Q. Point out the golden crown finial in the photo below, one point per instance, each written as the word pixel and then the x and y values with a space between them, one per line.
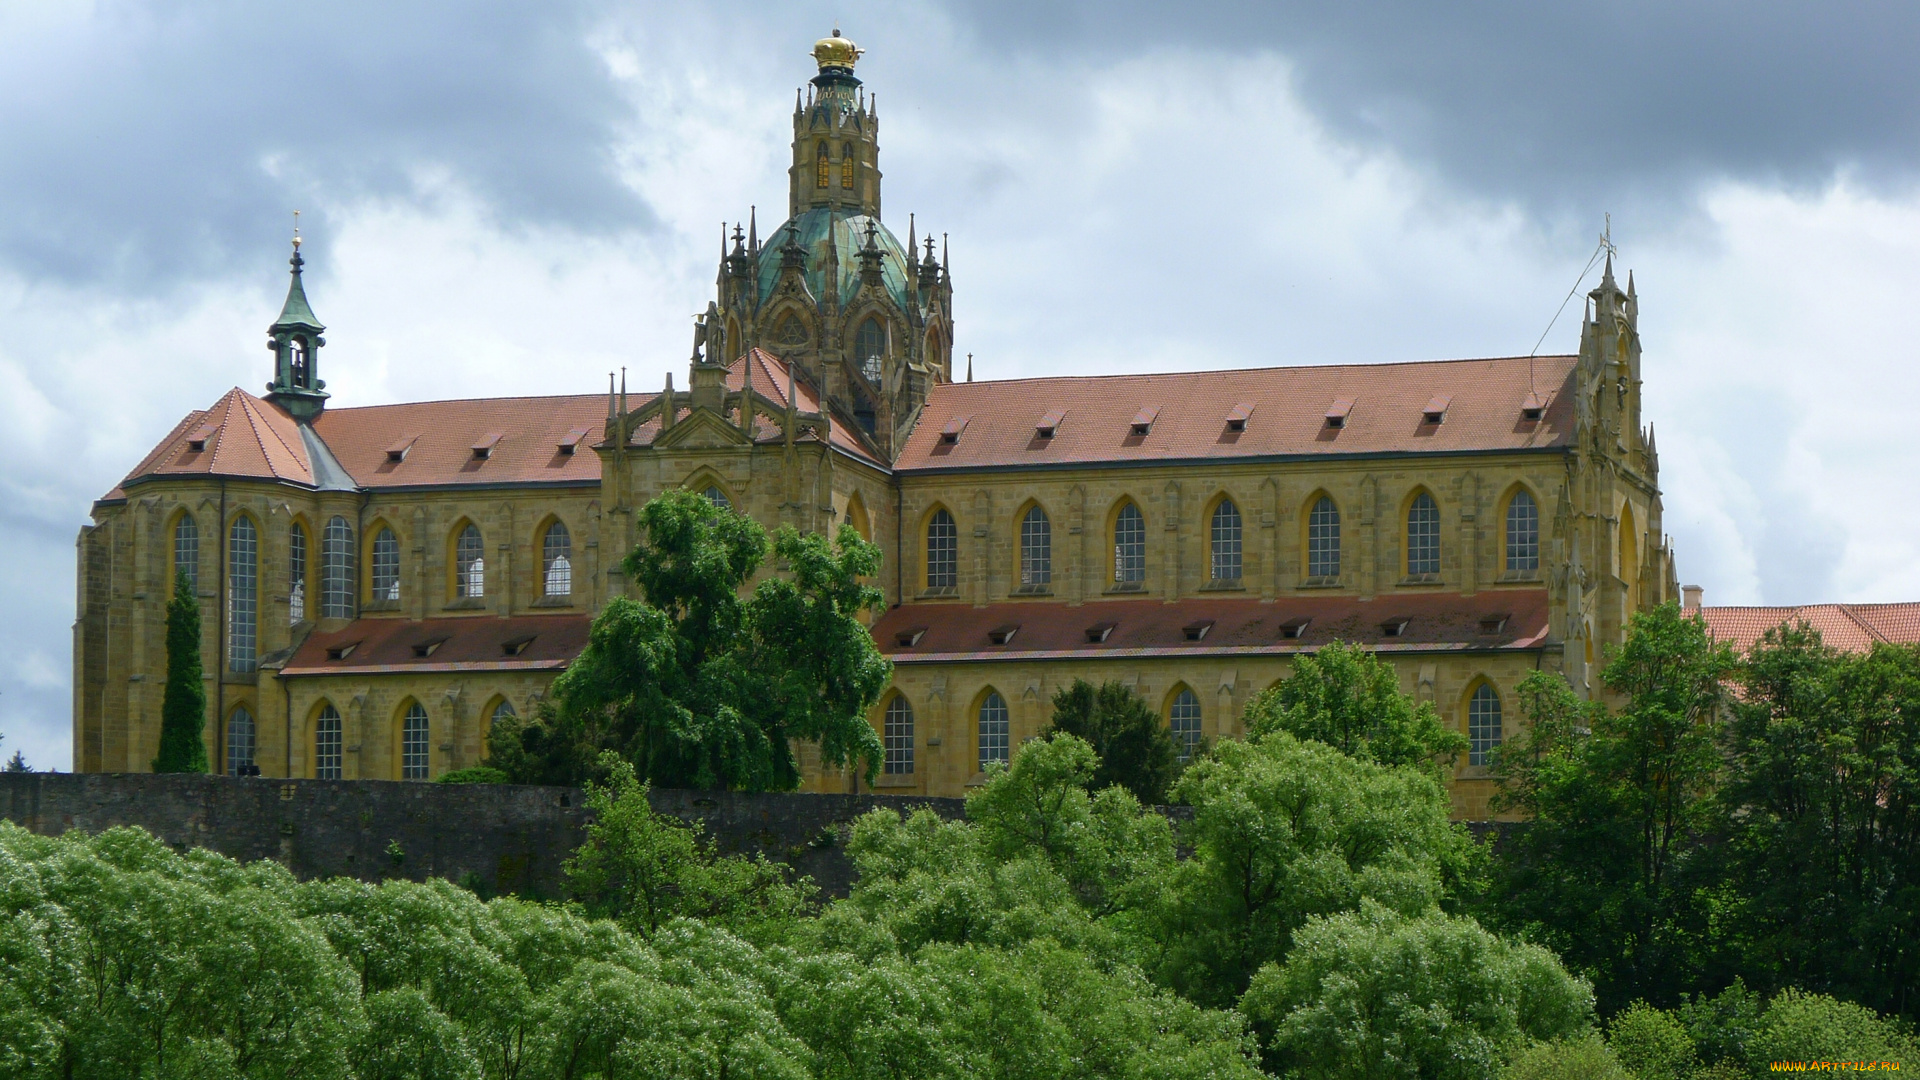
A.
pixel 836 52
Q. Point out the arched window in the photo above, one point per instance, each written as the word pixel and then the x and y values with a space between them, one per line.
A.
pixel 502 711
pixel 821 166
pixel 326 744
pixel 336 570
pixel 1184 718
pixel 717 497
pixel 1129 546
pixel 1423 537
pixel 1036 550
pixel 899 737
pixel 1323 540
pixel 869 346
pixel 846 166
pixel 1226 541
pixel 1483 724
pixel 556 561
pixel 1523 534
pixel 297 362
pixel 413 743
pixel 995 731
pixel 470 563
pixel 296 572
pixel 243 596
pixel 240 743
pixel 943 551
pixel 386 565
pixel 186 551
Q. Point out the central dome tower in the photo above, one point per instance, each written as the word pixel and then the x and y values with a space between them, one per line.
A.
pixel 864 318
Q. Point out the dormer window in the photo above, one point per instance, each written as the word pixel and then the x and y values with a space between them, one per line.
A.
pixel 1294 629
pixel 1000 635
pixel 1099 632
pixel 1436 410
pixel 1143 420
pixel 197 441
pixel 951 433
pixel 427 648
pixel 516 646
pixel 1533 408
pixel 571 441
pixel 1493 624
pixel 341 652
pixel 1049 423
pixel 483 449
pixel 1237 419
pixel 1395 627
pixel 1338 412
pixel 910 637
pixel 1194 631
pixel 398 451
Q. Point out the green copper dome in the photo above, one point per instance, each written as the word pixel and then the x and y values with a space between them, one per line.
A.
pixel 849 237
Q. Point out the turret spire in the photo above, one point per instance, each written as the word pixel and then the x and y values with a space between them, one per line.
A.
pixel 295 339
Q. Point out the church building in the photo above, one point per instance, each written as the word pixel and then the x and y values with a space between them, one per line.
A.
pixel 379 584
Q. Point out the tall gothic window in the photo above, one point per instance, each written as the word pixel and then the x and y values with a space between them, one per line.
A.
pixel 943 551
pixel 1036 550
pixel 1129 546
pixel 326 744
pixel 1323 540
pixel 1423 537
pixel 1483 724
pixel 846 166
pixel 899 737
pixel 995 731
pixel 243 596
pixel 502 711
pixel 717 497
pixel 470 563
pixel 240 742
pixel 413 743
pixel 821 166
pixel 1184 719
pixel 336 570
pixel 386 565
pixel 186 551
pixel 296 572
pixel 556 561
pixel 869 346
pixel 1226 541
pixel 1523 534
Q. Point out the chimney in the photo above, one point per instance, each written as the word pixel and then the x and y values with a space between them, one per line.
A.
pixel 1690 597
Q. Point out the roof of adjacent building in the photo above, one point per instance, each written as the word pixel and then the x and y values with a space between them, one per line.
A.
pixel 1384 409
pixel 1849 627
pixel 440 436
pixel 386 646
pixel 1504 619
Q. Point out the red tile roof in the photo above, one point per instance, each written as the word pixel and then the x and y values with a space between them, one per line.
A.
pixel 473 643
pixel 244 436
pixel 1289 408
pixel 770 379
pixel 1850 627
pixel 1433 623
pixel 443 435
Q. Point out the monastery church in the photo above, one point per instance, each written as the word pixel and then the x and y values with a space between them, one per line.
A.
pixel 379 584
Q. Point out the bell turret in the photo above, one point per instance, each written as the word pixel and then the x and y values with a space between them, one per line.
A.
pixel 295 340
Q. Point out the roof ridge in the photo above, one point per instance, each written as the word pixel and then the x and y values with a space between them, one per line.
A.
pixel 1357 365
pixel 1847 610
pixel 456 401
pixel 259 416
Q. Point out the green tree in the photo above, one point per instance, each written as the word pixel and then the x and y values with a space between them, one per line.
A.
pixel 1651 1043
pixel 701 686
pixel 1350 699
pixel 1619 803
pixel 1134 746
pixel 644 869
pixel 17 763
pixel 1375 995
pixel 183 709
pixel 1584 1058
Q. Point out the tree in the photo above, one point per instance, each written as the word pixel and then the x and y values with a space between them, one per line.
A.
pixel 1134 747
pixel 700 686
pixel 1619 803
pixel 183 709
pixel 1375 995
pixel 1350 699
pixel 17 763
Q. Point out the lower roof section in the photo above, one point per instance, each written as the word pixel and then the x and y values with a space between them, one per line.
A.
pixel 1848 627
pixel 1502 620
pixel 425 646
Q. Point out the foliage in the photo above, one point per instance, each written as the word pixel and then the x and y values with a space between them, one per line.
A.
pixel 1737 1033
pixel 476 774
pixel 1584 1058
pixel 183 710
pixel 1374 994
pixel 1283 830
pixel 1653 1044
pixel 700 686
pixel 1618 802
pixel 17 763
pixel 1350 699
pixel 1134 746
pixel 644 870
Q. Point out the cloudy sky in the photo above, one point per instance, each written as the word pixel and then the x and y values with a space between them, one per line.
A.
pixel 514 198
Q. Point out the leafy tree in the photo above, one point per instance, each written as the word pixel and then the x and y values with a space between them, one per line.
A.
pixel 17 763
pixel 644 870
pixel 1372 994
pixel 1619 802
pixel 1284 830
pixel 1134 747
pixel 183 711
pixel 1350 699
pixel 476 774
pixel 701 686
pixel 1585 1058
pixel 1651 1043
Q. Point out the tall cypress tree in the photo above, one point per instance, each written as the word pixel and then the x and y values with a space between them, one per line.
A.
pixel 184 711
